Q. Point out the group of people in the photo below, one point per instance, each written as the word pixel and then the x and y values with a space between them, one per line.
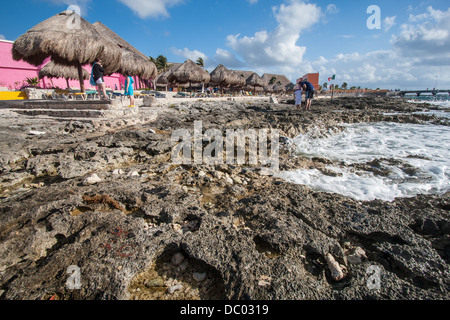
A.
pixel 307 88
pixel 98 72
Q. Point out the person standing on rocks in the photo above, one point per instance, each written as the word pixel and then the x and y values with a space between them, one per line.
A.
pixel 98 71
pixel 129 89
pixel 309 93
pixel 298 97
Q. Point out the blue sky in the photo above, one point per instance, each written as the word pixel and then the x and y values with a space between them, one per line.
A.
pixel 411 49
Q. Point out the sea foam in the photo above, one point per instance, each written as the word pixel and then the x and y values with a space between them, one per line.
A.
pixel 416 157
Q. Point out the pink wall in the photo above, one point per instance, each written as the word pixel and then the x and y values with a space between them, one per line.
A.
pixel 13 73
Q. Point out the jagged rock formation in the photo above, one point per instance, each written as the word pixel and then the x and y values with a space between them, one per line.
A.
pixel 146 228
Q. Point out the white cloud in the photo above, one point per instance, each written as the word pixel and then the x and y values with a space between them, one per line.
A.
pixel 279 46
pixel 380 69
pixel 189 54
pixel 374 69
pixel 227 59
pixel 418 54
pixel 252 1
pixel 221 57
pixel 347 36
pixel 150 8
pixel 389 22
pixel 426 35
pixel 2 37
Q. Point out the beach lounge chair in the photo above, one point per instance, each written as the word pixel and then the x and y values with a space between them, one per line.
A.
pixel 116 95
pixel 155 94
pixel 59 94
pixel 74 95
pixel 91 94
pixel 47 96
pixel 181 95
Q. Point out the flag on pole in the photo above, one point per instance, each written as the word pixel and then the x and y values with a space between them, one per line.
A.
pixel 332 78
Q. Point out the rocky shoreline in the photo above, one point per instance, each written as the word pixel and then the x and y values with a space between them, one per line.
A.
pixel 93 211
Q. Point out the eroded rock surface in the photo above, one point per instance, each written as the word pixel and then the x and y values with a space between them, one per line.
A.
pixel 151 229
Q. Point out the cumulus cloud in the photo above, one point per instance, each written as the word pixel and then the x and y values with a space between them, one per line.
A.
pixel 381 69
pixel 221 57
pixel 374 69
pixel 388 23
pixel 227 59
pixel 150 8
pixel 418 53
pixel 279 46
pixel 427 34
pixel 189 54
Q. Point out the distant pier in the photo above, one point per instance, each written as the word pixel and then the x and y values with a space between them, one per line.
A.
pixel 420 92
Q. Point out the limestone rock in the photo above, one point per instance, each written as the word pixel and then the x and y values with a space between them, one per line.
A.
pixel 93 179
pixel 199 276
pixel 261 241
pixel 273 100
pixel 177 259
pixel 336 270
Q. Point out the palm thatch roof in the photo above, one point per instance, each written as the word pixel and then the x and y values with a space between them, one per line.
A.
pixel 240 81
pixel 162 78
pixel 255 81
pixel 189 72
pixel 66 44
pixel 54 70
pixel 290 87
pixel 133 62
pixel 278 88
pixel 224 77
pixel 243 74
pixel 278 78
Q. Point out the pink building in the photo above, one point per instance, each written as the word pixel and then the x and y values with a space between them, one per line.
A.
pixel 13 74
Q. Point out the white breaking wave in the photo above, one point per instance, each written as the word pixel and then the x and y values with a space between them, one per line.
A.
pixel 444 103
pixel 416 156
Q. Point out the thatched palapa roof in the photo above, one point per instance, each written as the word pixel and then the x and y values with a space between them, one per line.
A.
pixel 69 40
pixel 278 88
pixel 162 78
pixel 67 43
pixel 133 62
pixel 243 74
pixel 224 77
pixel 281 78
pixel 239 81
pixel 189 72
pixel 290 87
pixel 255 81
pixel 54 70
